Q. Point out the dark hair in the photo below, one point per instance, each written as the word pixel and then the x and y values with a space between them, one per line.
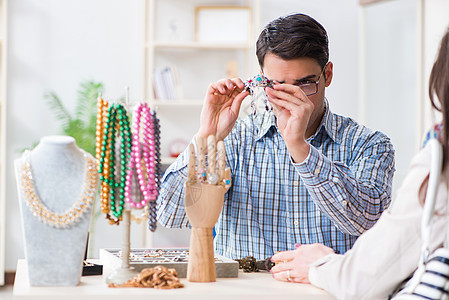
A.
pixel 294 36
pixel 439 86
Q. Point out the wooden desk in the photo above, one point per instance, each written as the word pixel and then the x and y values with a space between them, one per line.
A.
pixel 259 285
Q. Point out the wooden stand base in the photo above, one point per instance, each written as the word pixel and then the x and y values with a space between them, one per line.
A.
pixel 201 266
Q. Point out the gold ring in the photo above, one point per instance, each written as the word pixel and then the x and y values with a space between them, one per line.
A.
pixel 288 276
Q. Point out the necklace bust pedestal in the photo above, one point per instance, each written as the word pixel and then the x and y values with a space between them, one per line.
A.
pixel 57 183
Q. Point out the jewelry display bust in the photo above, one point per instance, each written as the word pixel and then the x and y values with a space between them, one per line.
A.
pixel 57 184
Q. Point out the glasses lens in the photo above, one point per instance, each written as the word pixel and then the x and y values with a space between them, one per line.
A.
pixel 308 88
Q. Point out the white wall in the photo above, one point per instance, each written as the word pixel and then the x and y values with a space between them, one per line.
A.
pixel 55 44
pixel 391 82
pixel 340 18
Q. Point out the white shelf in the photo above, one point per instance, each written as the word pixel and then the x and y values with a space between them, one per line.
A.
pixel 197 45
pixel 176 103
pixel 196 64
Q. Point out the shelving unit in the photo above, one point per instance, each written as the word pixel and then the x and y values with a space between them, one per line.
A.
pixel 169 41
pixel 3 9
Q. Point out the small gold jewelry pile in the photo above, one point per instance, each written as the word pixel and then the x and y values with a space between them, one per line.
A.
pixel 158 277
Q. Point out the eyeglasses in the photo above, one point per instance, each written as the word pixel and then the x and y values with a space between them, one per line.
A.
pixel 311 87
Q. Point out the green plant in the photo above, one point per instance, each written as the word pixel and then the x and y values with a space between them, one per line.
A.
pixel 81 124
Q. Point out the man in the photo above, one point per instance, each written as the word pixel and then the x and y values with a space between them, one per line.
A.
pixel 300 173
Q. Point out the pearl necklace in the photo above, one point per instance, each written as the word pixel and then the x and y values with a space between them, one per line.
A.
pixel 147 168
pixel 144 167
pixel 139 161
pixel 102 109
pixel 42 212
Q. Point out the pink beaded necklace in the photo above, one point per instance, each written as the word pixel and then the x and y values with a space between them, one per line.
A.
pixel 146 167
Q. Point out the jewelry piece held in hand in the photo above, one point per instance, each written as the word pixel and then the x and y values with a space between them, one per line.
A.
pixel 258 81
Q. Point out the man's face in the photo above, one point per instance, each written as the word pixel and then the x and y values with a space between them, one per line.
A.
pixel 297 71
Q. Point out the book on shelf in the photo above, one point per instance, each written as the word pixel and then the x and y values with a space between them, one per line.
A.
pixel 166 84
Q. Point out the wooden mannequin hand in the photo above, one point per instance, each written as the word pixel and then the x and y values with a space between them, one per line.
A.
pixel 205 187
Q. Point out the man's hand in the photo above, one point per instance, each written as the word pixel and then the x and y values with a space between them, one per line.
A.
pixel 293 110
pixel 221 107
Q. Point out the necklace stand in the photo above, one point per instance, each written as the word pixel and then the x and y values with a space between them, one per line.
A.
pixel 58 171
pixel 140 182
pixel 125 272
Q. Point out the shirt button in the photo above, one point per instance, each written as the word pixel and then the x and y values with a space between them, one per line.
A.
pixel 344 202
pixel 295 183
pixel 162 190
pixel 317 171
pixel 296 223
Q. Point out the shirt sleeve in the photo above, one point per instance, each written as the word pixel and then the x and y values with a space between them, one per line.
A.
pixel 170 204
pixel 352 196
pixel 389 252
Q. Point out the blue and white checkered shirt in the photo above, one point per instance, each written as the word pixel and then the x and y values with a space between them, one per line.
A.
pixel 335 195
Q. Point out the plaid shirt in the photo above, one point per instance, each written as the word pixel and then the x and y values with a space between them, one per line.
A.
pixel 336 194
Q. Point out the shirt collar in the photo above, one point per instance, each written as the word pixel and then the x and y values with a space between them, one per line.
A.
pixel 267 120
pixel 328 124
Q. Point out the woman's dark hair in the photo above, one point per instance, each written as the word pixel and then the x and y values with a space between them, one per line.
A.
pixel 439 87
pixel 294 36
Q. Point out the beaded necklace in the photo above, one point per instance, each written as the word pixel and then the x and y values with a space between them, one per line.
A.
pixel 117 122
pixel 138 159
pixel 42 212
pixel 152 209
pixel 102 110
pixel 144 167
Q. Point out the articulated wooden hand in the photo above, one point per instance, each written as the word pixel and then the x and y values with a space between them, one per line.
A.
pixel 206 186
pixel 204 196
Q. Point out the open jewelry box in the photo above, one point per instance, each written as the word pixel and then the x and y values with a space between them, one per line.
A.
pixel 175 258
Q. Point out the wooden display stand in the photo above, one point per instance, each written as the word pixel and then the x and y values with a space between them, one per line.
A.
pixel 204 199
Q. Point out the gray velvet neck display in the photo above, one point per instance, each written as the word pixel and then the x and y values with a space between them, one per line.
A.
pixel 55 255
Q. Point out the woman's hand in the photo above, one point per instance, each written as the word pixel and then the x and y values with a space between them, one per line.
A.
pixel 294 265
pixel 221 107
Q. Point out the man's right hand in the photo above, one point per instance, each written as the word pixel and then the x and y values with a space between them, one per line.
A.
pixel 221 107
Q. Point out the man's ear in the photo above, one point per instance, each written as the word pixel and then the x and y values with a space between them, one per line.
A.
pixel 329 73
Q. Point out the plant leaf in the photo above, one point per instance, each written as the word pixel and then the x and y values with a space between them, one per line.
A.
pixel 61 113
